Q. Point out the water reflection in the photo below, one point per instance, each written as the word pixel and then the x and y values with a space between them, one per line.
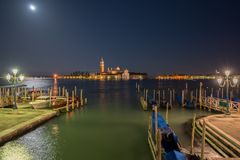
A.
pixel 37 83
pixel 55 130
pixel 15 151
pixel 38 144
pixel 55 87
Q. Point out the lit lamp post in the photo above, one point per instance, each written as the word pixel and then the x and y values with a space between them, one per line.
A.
pixel 14 79
pixel 227 81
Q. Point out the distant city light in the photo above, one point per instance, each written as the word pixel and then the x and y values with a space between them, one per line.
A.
pixel 55 76
pixel 32 7
pixel 227 72
pixel 15 71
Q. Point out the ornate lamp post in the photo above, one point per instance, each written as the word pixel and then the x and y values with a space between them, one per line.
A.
pixel 14 78
pixel 227 81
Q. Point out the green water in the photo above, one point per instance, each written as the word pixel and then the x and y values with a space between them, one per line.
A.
pixel 112 126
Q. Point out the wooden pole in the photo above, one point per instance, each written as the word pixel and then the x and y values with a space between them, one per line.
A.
pixel 203 140
pixel 193 134
pixel 170 96
pixel 156 122
pixel 163 95
pixel 200 95
pixel 212 91
pixel 196 97
pixel 63 91
pixel 25 92
pixel 159 97
pixel 218 93
pixel 191 96
pixel 231 94
pixel 173 95
pixel 159 145
pixel 67 101
pixel 222 92
pixel 81 97
pixel 146 95
pixel 75 90
pixel 167 113
pixel 205 97
pixel 238 89
pixel 50 98
pixel 183 98
pixel 73 100
pixel 186 88
pixel 32 95
pixel 150 125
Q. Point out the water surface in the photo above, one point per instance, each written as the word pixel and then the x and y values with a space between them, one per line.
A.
pixel 112 126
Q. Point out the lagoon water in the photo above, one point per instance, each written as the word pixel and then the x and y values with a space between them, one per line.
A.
pixel 111 126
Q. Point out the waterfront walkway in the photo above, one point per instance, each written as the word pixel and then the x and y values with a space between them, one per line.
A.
pixel 223 134
pixel 230 125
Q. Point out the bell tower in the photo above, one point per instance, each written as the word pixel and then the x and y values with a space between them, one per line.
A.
pixel 101 66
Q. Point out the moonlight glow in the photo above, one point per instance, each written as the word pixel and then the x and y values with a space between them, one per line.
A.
pixel 32 7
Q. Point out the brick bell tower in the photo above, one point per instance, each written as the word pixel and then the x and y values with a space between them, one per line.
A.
pixel 101 66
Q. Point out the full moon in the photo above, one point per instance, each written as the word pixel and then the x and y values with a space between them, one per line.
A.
pixel 32 7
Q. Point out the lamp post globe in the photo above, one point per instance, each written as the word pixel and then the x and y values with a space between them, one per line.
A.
pixel 14 79
pixel 228 81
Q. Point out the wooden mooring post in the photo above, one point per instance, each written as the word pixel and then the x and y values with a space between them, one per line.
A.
pixel 63 91
pixel 156 122
pixel 154 95
pixel 170 98
pixel 67 105
pixel 200 95
pixel 73 100
pixel 203 140
pixel 159 144
pixel 81 97
pixel 167 113
pixel 183 98
pixel 159 97
pixel 59 91
pixel 193 134
pixel 146 95
pixel 50 98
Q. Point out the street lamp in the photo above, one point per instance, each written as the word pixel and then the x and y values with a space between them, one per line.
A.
pixel 227 81
pixel 14 79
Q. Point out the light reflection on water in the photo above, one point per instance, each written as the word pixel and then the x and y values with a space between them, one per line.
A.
pixel 37 144
pixel 15 151
pixel 38 83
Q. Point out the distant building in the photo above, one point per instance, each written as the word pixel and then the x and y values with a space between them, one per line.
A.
pixel 137 76
pixel 117 73
pixel 125 75
pixel 101 66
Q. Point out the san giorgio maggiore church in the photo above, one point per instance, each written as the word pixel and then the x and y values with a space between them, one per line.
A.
pixel 117 73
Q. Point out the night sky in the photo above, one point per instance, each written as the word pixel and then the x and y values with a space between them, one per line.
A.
pixel 62 36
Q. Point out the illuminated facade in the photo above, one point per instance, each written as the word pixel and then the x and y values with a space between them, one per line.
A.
pixel 184 77
pixel 101 66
